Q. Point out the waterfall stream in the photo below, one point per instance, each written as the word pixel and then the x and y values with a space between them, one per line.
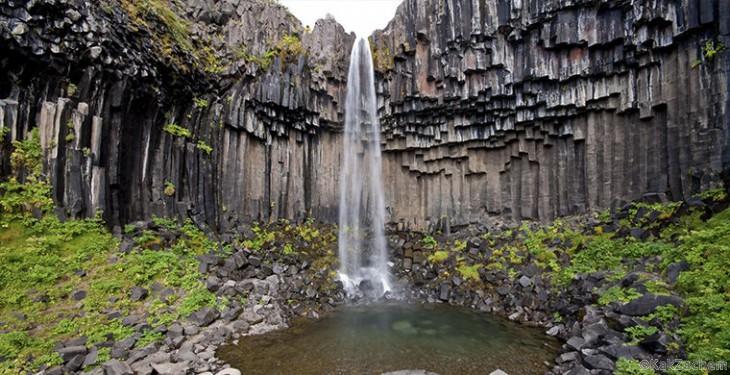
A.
pixel 362 247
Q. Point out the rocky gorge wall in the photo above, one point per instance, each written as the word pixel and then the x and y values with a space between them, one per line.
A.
pixel 513 109
pixel 538 109
pixel 251 135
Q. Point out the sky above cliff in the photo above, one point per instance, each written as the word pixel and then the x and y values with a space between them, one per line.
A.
pixel 360 16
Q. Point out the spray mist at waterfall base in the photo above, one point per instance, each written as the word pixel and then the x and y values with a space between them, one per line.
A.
pixel 362 248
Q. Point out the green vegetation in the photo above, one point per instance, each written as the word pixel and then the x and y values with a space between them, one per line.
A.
pixel 469 272
pixel 177 130
pixel 200 102
pixel 429 242
pixel 709 50
pixel 382 58
pixel 71 90
pixel 287 49
pixel 638 333
pixel 202 146
pixel 44 261
pixel 261 238
pixel 170 33
pixel 169 189
pixel 618 294
pixel 438 256
pixel 631 367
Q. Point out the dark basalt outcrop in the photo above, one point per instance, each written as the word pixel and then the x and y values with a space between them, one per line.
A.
pixel 531 109
pixel 537 109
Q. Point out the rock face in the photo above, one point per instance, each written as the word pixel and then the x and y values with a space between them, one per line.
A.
pixel 534 109
pixel 529 109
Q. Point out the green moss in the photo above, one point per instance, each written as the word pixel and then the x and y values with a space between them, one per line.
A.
pixel 438 257
pixel 177 130
pixel 169 189
pixel 469 272
pixel 206 148
pixel 262 237
pixel 715 195
pixel 200 102
pixel 429 242
pixel 171 34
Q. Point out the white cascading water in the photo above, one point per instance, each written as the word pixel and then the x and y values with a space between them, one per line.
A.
pixel 361 242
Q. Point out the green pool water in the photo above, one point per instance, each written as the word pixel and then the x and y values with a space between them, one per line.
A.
pixel 379 338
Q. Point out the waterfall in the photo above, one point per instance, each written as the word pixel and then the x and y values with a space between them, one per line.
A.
pixel 361 241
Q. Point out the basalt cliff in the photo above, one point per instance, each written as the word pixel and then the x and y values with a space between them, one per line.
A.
pixel 231 111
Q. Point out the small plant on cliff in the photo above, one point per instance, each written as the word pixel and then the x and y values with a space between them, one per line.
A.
pixel 202 146
pixel 709 50
pixel 169 189
pixel 71 90
pixel 177 130
pixel 429 242
pixel 200 102
pixel 289 48
pixel 382 58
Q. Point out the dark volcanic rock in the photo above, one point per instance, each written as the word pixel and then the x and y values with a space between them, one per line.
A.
pixel 647 304
pixel 492 108
pixel 138 293
pixel 204 316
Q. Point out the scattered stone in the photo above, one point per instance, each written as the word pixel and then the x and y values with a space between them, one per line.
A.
pixel 71 351
pixel 115 367
pixel 598 362
pixel 204 316
pixel 78 295
pixel 525 281
pixel 575 343
pixel 228 371
pixel 138 293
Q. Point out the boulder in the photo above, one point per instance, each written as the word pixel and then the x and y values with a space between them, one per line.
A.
pixel 647 304
pixel 204 316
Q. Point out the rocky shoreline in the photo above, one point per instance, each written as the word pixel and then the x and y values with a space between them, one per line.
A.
pixel 596 333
